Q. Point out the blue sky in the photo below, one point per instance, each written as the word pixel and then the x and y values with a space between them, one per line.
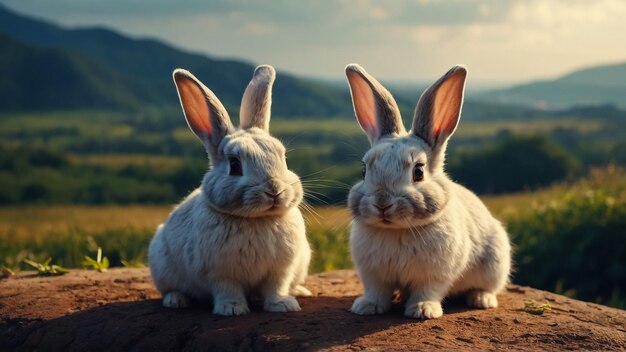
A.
pixel 501 41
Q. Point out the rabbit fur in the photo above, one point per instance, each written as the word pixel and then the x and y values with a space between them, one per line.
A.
pixel 241 232
pixel 414 229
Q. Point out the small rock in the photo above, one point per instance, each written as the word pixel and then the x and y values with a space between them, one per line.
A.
pixel 465 339
pixel 515 289
pixel 472 319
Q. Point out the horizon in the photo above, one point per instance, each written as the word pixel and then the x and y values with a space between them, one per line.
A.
pixel 259 23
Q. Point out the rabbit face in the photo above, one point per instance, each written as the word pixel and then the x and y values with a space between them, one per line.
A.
pixel 397 190
pixel 251 178
pixel 404 184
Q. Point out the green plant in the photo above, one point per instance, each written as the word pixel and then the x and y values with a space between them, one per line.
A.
pixel 6 273
pixel 532 308
pixel 100 263
pixel 45 269
pixel 132 263
pixel 574 244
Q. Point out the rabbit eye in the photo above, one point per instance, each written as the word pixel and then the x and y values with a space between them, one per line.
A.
pixel 235 167
pixel 363 170
pixel 418 173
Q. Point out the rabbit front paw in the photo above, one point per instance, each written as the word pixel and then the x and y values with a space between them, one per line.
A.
pixel 176 299
pixel 482 299
pixel 363 306
pixel 300 291
pixel 424 310
pixel 282 304
pixel 231 308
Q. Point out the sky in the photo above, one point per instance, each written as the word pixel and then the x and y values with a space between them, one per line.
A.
pixel 500 41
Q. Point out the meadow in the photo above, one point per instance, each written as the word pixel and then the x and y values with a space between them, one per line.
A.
pixel 77 181
pixel 559 232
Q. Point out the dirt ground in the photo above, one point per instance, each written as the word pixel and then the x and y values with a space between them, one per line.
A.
pixel 120 310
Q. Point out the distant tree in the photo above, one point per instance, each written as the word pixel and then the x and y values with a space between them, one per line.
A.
pixel 514 163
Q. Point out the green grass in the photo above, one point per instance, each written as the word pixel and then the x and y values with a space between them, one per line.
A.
pixel 69 233
pixel 120 161
pixel 109 157
pixel 62 130
pixel 470 129
pixel 559 232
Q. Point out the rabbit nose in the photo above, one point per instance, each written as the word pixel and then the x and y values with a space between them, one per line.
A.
pixel 274 195
pixel 382 208
pixel 273 188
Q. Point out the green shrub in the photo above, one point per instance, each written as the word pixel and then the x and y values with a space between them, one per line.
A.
pixel 330 249
pixel 576 245
pixel 513 164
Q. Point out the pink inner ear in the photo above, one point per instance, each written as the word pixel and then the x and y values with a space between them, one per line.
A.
pixel 195 106
pixel 363 99
pixel 447 106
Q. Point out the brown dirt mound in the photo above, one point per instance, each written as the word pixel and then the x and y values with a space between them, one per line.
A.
pixel 121 310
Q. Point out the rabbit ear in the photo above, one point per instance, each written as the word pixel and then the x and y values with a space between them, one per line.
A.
pixel 205 114
pixel 257 100
pixel 375 108
pixel 439 109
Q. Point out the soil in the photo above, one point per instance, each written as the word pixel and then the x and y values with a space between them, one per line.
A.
pixel 120 310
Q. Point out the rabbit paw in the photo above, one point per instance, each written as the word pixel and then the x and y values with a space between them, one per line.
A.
pixel 176 299
pixel 363 306
pixel 231 308
pixel 482 299
pixel 300 291
pixel 424 310
pixel 282 304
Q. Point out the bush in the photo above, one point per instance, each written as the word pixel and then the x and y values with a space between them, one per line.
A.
pixel 513 164
pixel 575 245
pixel 330 249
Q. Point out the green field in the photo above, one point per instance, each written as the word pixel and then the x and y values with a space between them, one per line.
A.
pixel 76 181
pixel 559 232
pixel 151 157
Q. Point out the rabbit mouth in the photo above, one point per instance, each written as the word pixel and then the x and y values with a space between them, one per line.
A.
pixel 274 207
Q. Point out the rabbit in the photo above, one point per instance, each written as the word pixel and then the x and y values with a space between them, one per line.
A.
pixel 414 229
pixel 241 232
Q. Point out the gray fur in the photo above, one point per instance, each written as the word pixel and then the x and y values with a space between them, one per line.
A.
pixel 424 116
pixel 218 116
pixel 257 99
pixel 434 238
pixel 235 234
pixel 388 119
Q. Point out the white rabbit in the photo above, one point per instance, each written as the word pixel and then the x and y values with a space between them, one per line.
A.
pixel 413 228
pixel 241 232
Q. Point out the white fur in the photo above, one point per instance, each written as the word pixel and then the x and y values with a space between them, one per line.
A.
pixel 436 238
pixel 236 234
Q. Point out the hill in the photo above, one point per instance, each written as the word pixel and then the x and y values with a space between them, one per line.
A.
pixel 120 310
pixel 141 69
pixel 34 78
pixel 601 85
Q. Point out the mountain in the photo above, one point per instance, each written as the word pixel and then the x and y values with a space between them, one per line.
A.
pixel 35 78
pixel 128 73
pixel 601 85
